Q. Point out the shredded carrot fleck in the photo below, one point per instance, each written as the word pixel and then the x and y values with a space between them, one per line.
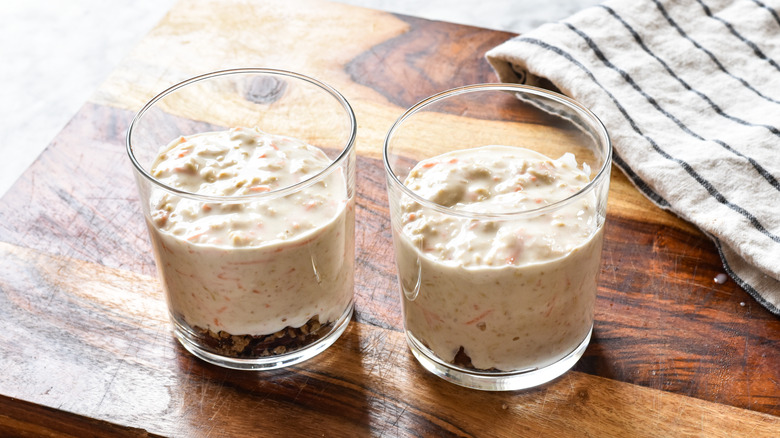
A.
pixel 206 207
pixel 550 307
pixel 453 161
pixel 195 236
pixel 429 165
pixel 259 189
pixel 431 318
pixel 480 317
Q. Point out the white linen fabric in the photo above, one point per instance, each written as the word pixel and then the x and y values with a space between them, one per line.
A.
pixel 689 91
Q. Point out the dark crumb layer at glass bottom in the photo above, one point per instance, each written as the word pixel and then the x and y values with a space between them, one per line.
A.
pixel 287 340
pixel 463 360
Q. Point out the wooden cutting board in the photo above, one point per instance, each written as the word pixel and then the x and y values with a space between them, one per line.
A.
pixel 85 345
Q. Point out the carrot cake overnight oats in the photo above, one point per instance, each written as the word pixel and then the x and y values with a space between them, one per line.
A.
pixel 252 277
pixel 498 294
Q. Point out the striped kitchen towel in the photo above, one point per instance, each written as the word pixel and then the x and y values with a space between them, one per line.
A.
pixel 689 91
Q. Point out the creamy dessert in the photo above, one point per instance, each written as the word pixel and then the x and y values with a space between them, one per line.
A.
pixel 499 293
pixel 252 276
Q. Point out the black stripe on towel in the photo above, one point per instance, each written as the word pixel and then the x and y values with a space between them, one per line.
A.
pixel 638 182
pixel 739 36
pixel 740 282
pixel 687 167
pixel 758 167
pixel 771 11
pixel 714 59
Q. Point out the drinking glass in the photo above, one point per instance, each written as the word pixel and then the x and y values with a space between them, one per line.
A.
pixel 497 296
pixel 249 302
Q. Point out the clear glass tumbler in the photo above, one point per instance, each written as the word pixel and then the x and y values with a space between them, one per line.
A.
pixel 498 199
pixel 247 183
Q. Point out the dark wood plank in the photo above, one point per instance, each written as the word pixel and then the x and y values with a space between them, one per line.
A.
pixel 663 322
pixel 22 419
pixel 431 57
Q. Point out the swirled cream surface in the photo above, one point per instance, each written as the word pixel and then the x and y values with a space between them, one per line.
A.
pixel 513 292
pixel 259 264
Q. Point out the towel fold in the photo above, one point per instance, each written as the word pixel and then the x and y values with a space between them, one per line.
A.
pixel 689 91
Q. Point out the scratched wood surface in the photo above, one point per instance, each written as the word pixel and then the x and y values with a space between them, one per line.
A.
pixel 85 346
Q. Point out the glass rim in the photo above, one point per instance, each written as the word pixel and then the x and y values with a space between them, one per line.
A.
pixel 323 173
pixel 525 89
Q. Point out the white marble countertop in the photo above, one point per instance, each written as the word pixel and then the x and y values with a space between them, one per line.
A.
pixel 56 53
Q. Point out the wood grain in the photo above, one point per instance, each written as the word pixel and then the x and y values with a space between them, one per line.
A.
pixel 83 328
pixel 132 372
pixel 22 419
pixel 437 65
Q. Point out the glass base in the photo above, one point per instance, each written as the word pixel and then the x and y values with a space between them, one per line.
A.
pixel 495 381
pixel 267 362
